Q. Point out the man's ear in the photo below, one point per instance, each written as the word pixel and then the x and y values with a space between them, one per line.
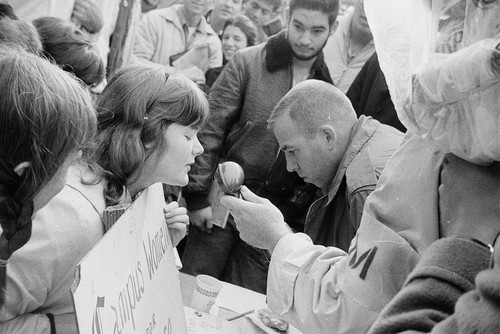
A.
pixel 329 135
pixel 334 27
pixel 21 168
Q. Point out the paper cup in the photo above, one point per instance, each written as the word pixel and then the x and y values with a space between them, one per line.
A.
pixel 205 292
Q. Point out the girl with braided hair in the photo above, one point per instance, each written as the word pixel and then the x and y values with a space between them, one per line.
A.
pixel 147 133
pixel 46 118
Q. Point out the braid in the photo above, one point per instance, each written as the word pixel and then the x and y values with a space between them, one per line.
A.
pixel 16 210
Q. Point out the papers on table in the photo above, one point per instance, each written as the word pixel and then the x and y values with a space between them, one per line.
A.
pixel 238 299
pixel 204 323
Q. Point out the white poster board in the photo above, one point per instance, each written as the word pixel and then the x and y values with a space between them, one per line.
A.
pixel 128 283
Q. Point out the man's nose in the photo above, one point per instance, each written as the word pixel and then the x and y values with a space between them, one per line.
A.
pixel 291 166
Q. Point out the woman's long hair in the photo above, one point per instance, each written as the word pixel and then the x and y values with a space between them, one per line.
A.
pixel 134 110
pixel 45 115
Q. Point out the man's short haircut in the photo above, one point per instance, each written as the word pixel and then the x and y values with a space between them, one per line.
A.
pixel 329 7
pixel 313 103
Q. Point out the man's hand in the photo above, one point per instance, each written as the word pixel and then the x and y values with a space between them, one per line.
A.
pixel 177 220
pixel 202 219
pixel 469 200
pixel 194 73
pixel 88 15
pixel 260 223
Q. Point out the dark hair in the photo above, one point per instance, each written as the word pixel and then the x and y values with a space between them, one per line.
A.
pixel 70 49
pixel 246 25
pixel 329 7
pixel 6 10
pixel 134 110
pixel 45 116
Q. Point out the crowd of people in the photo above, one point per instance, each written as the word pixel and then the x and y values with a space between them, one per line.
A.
pixel 347 222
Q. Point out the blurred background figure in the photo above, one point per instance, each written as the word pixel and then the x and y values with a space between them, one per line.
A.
pixel 179 39
pixel 238 33
pixel 84 13
pixel 261 12
pixel 16 32
pixel 349 48
pixel 345 7
pixel 370 95
pixel 66 45
pixel 222 11
pixel 109 24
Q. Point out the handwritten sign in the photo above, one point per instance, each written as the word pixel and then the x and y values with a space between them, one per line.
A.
pixel 128 283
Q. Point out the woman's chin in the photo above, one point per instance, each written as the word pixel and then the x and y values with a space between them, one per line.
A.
pixel 229 55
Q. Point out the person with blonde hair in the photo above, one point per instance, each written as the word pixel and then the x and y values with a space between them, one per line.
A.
pixel 147 126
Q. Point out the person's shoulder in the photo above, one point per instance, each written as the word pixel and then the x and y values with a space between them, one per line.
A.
pixel 168 13
pixel 206 28
pixel 251 53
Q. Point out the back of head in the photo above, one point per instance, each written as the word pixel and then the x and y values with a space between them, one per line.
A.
pixel 329 7
pixel 313 103
pixel 70 49
pixel 45 116
pixel 134 110
pixel 14 32
pixel 247 27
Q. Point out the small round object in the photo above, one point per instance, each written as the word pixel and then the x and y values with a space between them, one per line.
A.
pixel 229 177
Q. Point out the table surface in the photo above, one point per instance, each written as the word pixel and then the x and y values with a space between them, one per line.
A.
pixel 245 324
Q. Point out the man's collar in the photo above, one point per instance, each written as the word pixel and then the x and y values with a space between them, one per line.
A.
pixel 278 52
pixel 174 15
pixel 361 132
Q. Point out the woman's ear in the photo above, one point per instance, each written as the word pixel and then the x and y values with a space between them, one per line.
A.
pixel 329 135
pixel 21 168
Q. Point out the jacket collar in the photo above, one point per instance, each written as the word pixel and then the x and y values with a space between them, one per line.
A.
pixel 279 56
pixel 171 14
pixel 362 131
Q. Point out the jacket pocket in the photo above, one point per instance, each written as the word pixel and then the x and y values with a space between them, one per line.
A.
pixel 234 137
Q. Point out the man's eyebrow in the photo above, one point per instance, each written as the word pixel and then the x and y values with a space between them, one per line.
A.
pixel 313 27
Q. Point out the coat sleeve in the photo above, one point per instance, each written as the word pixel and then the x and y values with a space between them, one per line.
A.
pixel 225 99
pixel 325 290
pixel 29 278
pixel 214 52
pixel 445 272
pixel 146 38
pixel 40 274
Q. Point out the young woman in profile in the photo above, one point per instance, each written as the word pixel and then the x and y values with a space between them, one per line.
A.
pixel 46 118
pixel 147 133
